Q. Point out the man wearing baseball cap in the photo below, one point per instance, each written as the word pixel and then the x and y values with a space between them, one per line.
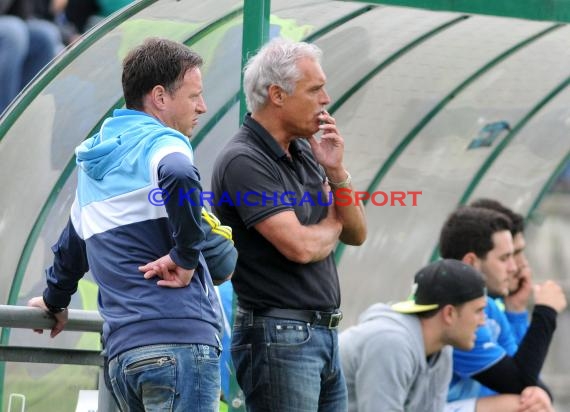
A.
pixel 396 358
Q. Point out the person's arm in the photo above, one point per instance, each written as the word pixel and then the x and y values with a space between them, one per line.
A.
pixel 179 180
pixel 69 266
pixel 513 374
pixel 532 399
pixel 351 213
pixel 301 243
pixel 329 151
pixel 277 221
pixel 178 177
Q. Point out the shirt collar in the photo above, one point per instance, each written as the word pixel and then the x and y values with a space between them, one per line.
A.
pixel 263 136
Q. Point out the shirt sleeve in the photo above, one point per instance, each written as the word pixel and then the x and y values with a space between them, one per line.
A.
pixel 179 179
pixel 69 266
pixel 254 188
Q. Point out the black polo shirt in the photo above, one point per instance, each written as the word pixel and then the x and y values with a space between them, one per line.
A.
pixel 254 179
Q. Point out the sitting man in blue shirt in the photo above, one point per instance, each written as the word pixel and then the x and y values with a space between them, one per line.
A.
pixel 497 364
pixel 516 302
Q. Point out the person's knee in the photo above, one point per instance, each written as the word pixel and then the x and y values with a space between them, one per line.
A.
pixel 45 36
pixel 14 37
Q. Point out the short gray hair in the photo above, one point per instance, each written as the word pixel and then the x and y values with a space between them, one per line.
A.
pixel 275 63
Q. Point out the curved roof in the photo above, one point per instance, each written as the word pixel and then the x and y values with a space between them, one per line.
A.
pixel 455 106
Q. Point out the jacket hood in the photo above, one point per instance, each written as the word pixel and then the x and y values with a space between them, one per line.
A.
pixel 122 138
pixel 381 310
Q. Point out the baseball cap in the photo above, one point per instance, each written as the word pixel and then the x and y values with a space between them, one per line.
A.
pixel 445 282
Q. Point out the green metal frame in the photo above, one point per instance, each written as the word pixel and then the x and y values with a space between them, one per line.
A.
pixel 546 10
pixel 256 15
pixel 508 139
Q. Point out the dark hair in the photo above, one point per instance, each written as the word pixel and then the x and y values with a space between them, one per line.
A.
pixel 155 62
pixel 428 314
pixel 516 219
pixel 471 229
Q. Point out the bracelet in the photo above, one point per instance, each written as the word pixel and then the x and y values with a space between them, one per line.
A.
pixel 344 184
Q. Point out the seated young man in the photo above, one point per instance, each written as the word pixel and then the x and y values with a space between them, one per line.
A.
pixel 396 358
pixel 516 303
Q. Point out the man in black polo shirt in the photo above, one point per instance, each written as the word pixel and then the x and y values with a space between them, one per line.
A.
pixel 270 185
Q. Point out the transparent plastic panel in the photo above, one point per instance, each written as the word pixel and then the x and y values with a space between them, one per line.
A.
pixel 81 91
pixel 299 18
pixel 357 47
pixel 401 238
pixel 379 115
pixel 517 175
pixel 206 152
pixel 95 92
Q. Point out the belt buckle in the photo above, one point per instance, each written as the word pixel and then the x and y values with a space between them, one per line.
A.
pixel 335 320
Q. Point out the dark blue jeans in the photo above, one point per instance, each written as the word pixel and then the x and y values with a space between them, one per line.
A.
pixel 161 378
pixel 287 365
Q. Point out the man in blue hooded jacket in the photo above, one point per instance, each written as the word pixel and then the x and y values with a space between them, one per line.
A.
pixel 138 201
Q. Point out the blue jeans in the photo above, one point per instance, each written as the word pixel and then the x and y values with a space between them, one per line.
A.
pixel 26 46
pixel 167 378
pixel 287 365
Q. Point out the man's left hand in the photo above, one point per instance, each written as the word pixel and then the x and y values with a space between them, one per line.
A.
pixel 60 318
pixel 171 275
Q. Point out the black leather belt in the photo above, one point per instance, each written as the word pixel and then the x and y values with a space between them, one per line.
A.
pixel 329 319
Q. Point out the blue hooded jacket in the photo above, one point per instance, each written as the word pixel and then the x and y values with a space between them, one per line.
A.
pixel 137 200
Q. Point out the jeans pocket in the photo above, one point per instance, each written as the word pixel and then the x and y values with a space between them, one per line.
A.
pixel 243 364
pixel 152 362
pixel 289 333
pixel 155 379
